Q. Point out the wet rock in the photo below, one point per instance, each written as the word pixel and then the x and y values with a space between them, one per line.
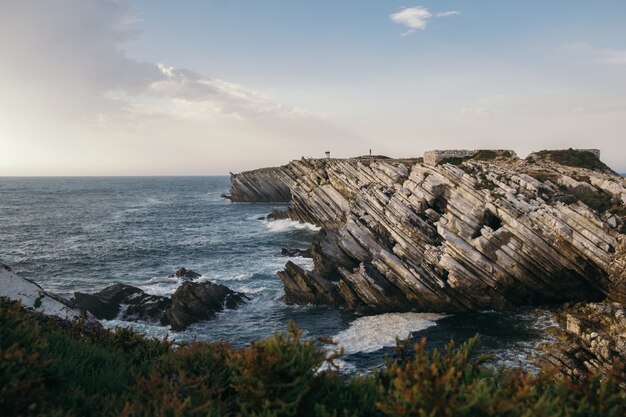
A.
pixel 185 274
pixel 277 215
pixel 304 287
pixel 194 302
pixel 124 302
pixel 295 252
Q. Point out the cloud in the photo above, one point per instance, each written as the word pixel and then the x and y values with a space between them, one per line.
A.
pixel 75 64
pixel 447 14
pixel 412 17
pixel 225 97
pixel 416 18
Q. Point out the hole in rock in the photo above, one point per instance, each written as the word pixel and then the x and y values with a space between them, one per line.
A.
pixel 489 219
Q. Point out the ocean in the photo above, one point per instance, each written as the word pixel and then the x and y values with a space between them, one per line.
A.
pixel 85 233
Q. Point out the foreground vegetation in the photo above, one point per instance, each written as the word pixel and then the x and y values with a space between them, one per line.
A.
pixel 49 368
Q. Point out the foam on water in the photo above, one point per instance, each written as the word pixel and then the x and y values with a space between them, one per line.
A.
pixel 283 225
pixel 372 333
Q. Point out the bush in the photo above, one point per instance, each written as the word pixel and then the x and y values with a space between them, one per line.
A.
pixel 48 368
pixel 575 158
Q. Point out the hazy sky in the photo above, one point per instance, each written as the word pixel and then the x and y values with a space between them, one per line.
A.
pixel 103 87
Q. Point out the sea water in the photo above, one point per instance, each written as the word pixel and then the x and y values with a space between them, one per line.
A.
pixel 82 234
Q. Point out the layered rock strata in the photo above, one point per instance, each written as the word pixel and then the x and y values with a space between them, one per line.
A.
pixel 193 302
pixel 32 297
pixel 491 232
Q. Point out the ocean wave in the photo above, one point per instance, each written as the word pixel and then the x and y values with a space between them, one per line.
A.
pixel 285 225
pixel 371 333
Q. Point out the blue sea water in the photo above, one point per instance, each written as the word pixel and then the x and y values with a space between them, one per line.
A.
pixel 85 233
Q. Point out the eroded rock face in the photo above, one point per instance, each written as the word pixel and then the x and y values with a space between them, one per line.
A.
pixel 124 302
pixel 484 234
pixel 193 302
pixel 591 338
pixel 261 185
pixel 304 287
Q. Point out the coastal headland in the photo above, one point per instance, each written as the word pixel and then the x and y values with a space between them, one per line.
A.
pixel 460 230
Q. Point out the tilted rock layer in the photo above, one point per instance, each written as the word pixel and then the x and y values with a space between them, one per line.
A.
pixel 491 232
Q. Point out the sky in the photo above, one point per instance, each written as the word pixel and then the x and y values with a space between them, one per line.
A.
pixel 146 87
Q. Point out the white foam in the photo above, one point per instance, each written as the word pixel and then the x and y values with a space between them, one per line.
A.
pixel 284 225
pixel 372 333
pixel 246 289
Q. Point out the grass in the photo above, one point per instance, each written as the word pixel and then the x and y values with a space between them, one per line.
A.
pixel 575 158
pixel 48 368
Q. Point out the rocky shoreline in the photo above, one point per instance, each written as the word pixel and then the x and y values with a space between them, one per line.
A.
pixel 192 302
pixel 455 231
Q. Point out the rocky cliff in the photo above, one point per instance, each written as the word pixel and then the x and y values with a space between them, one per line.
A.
pixel 483 231
pixel 463 230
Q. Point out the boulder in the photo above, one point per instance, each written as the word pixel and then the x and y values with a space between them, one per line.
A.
pixel 193 302
pixel 124 302
pixel 185 274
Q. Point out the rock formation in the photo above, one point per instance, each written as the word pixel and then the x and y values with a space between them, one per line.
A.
pixel 32 297
pixel 486 230
pixel 193 302
pixel 591 337
pixel 185 274
pixel 293 252
pixel 124 302
pixel 261 185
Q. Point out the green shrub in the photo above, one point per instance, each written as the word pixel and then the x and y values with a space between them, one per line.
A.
pixel 273 375
pixel 600 200
pixel 48 368
pixel 486 155
pixel 575 158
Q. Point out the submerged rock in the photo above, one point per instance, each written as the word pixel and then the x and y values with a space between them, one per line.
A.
pixel 194 302
pixel 295 252
pixel 185 274
pixel 124 302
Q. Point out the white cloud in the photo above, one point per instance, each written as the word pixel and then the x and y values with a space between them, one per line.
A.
pixel 77 62
pixel 448 13
pixel 412 17
pixel 224 96
pixel 416 17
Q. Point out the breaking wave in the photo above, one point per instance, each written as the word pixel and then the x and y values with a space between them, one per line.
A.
pixel 371 333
